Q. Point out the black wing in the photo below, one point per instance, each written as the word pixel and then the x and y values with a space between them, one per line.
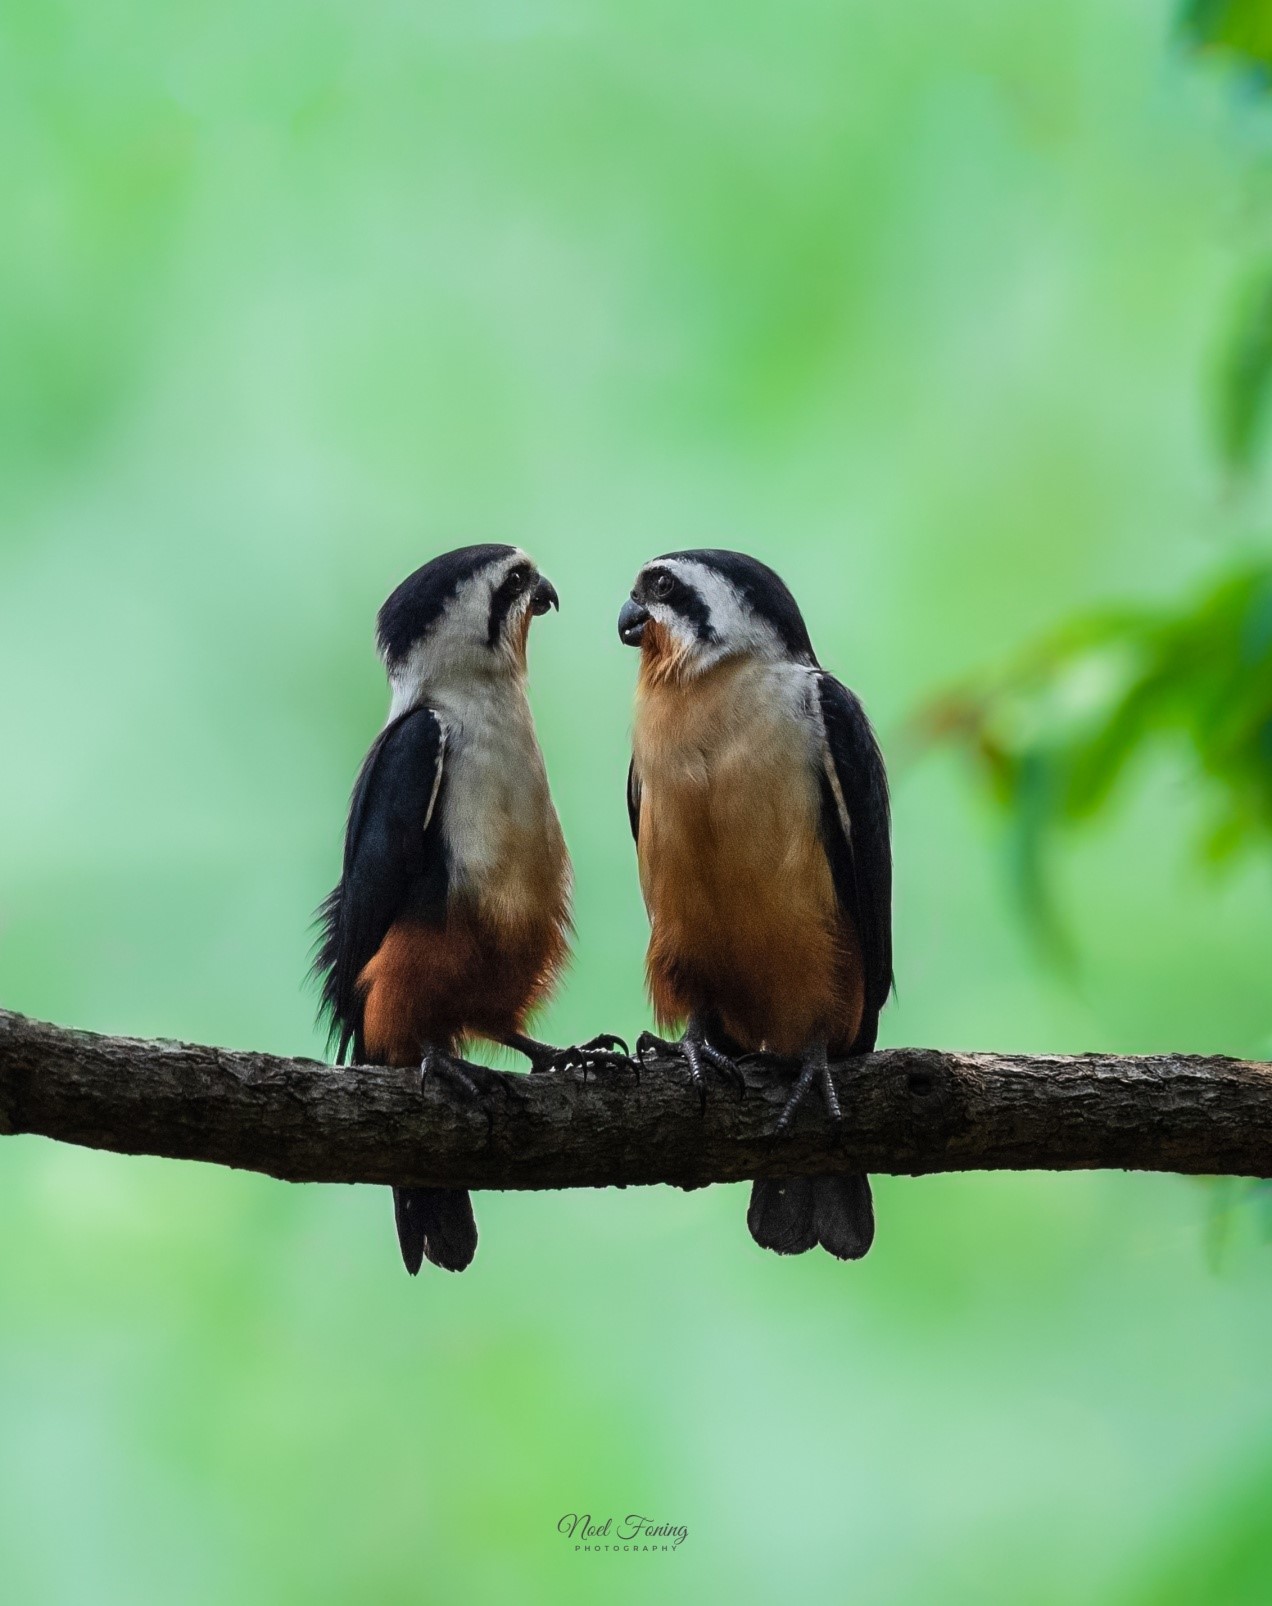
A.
pixel 633 800
pixel 394 864
pixel 857 829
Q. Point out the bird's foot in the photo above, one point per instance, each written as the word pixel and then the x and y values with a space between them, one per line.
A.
pixel 438 1067
pixel 603 1053
pixel 462 1077
pixel 815 1068
pixel 649 1044
pixel 697 1053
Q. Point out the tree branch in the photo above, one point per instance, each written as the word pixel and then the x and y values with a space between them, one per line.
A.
pixel 906 1111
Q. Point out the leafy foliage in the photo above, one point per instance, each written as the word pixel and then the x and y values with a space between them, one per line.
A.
pixel 1239 33
pixel 1055 733
pixel 1245 377
pixel 1238 28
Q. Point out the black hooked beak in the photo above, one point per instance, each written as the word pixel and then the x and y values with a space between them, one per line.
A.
pixel 544 597
pixel 632 622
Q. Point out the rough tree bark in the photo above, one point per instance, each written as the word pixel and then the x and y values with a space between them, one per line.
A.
pixel 906 1111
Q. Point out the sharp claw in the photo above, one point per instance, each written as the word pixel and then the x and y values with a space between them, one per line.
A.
pixel 725 1066
pixel 694 1056
pixel 697 1053
pixel 590 1058
pixel 648 1044
pixel 814 1067
pixel 616 1062
pixel 721 1062
pixel 607 1045
pixel 440 1067
pixel 831 1097
pixel 428 1067
pixel 443 1068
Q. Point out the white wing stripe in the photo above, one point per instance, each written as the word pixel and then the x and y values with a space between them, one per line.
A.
pixel 832 775
pixel 828 760
pixel 437 779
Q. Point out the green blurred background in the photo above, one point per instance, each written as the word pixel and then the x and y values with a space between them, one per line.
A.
pixel 917 304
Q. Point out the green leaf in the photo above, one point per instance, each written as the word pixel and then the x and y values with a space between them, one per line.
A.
pixel 1239 28
pixel 1245 377
pixel 1053 735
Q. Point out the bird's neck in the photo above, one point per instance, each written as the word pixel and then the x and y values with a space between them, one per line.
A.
pixel 482 683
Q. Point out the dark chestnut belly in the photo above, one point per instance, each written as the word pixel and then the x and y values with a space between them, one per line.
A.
pixel 435 986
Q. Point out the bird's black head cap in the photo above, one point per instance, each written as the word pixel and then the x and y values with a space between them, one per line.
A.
pixel 763 592
pixel 419 602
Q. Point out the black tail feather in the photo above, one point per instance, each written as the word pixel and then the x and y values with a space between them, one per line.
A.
pixel 794 1214
pixel 437 1224
pixel 843 1216
pixel 781 1215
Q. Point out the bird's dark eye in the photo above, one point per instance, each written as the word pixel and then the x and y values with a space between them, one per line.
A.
pixel 664 585
pixel 519 577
